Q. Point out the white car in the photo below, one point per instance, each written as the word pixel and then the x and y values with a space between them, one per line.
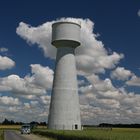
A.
pixel 25 129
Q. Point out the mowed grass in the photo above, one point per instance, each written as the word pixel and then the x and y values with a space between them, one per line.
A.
pixel 93 134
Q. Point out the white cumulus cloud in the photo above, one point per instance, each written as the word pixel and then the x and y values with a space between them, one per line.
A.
pixel 5 100
pixel 18 85
pixel 134 81
pixel 37 84
pixel 6 63
pixel 100 102
pixel 42 76
pixel 120 73
pixel 91 56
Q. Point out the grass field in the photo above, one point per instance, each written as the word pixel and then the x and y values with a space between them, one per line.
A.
pixel 87 134
pixel 94 134
pixel 10 126
pixel 1 135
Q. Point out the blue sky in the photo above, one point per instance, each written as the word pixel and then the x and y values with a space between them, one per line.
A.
pixel 116 23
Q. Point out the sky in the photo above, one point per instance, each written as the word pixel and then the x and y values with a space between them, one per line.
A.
pixel 107 61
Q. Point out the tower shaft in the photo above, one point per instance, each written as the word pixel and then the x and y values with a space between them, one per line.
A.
pixel 64 108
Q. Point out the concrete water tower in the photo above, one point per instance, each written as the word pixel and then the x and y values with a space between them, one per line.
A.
pixel 64 108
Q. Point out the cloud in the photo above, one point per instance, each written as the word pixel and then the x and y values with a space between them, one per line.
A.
pixel 5 100
pixel 37 84
pixel 138 12
pixel 45 100
pixel 6 63
pixel 42 76
pixel 120 73
pixel 17 85
pixel 3 50
pixel 40 35
pixel 29 100
pixel 102 102
pixel 134 81
pixel 91 56
pixel 25 111
pixel 102 85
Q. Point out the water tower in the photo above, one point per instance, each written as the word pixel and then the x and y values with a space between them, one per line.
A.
pixel 64 107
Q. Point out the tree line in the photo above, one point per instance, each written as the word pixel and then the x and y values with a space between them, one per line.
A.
pixel 12 122
pixel 120 125
pixel 108 125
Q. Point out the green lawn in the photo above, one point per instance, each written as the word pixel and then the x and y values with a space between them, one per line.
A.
pixel 94 134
